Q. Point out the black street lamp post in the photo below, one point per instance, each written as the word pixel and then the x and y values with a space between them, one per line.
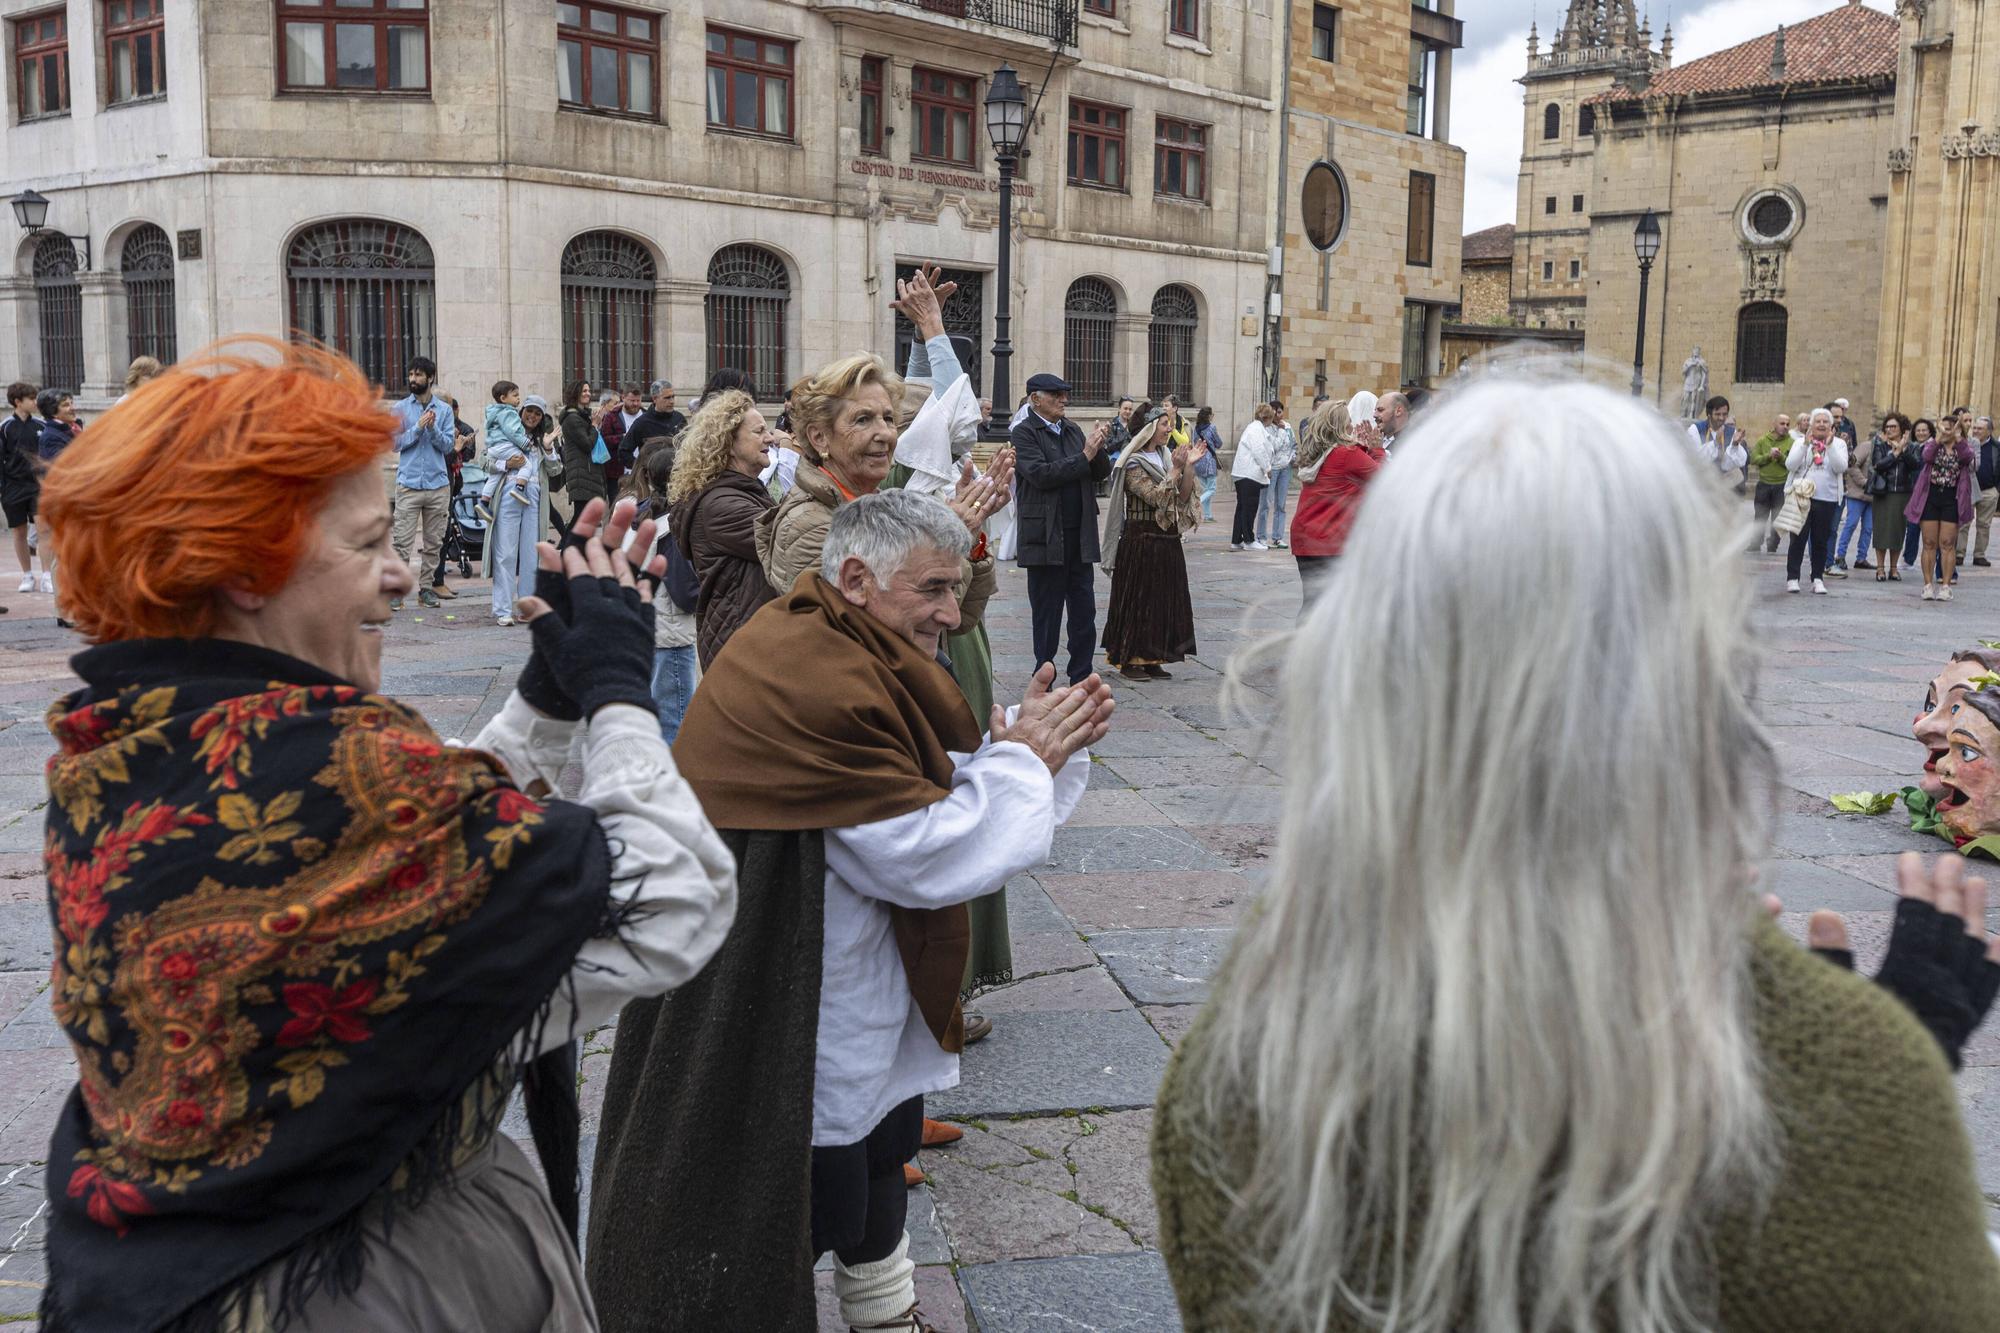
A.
pixel 1646 244
pixel 31 211
pixel 1006 125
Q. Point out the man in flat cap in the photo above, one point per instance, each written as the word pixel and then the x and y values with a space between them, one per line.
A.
pixel 1056 472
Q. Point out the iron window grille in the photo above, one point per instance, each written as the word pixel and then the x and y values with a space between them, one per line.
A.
pixel 135 49
pixel 363 46
pixel 146 266
pixel 944 109
pixel 1096 145
pixel 1108 8
pixel 59 313
pixel 1762 330
pixel 1090 313
pixel 1180 159
pixel 608 290
pixel 749 295
pixel 607 59
pixel 749 83
pixel 41 64
pixel 1170 340
pixel 367 289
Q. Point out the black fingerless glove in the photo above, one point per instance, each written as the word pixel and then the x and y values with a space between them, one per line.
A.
pixel 603 652
pixel 1940 972
pixel 537 683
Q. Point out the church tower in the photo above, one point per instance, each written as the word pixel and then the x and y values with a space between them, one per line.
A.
pixel 1602 43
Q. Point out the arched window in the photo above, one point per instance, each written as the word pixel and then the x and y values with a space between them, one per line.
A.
pixel 367 289
pixel 1088 314
pixel 59 309
pixel 1761 331
pixel 748 292
pixel 1170 345
pixel 1586 121
pixel 607 304
pixel 1552 121
pixel 147 266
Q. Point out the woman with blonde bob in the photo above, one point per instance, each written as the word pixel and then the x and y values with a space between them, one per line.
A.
pixel 305 948
pixel 1537 1059
pixel 717 502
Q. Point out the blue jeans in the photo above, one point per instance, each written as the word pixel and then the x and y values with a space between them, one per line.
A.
pixel 1860 514
pixel 1271 509
pixel 1207 499
pixel 673 686
pixel 512 534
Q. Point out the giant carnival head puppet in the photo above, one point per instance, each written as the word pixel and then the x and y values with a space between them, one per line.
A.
pixel 1969 770
pixel 1933 723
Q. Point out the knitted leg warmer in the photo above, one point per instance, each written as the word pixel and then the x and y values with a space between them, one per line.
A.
pixel 877 1293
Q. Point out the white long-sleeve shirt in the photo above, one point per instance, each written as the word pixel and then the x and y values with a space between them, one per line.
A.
pixel 1733 455
pixel 667 858
pixel 1828 478
pixel 875 1050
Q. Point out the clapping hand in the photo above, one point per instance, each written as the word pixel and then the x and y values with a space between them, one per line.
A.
pixel 921 297
pixel 1057 722
pixel 1940 961
pixel 597 549
pixel 1183 455
pixel 1095 444
pixel 978 498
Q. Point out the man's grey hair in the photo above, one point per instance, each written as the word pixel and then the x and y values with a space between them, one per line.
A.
pixel 1987 420
pixel 883 530
pixel 658 387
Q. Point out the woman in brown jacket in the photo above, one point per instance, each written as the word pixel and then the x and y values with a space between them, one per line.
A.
pixel 716 501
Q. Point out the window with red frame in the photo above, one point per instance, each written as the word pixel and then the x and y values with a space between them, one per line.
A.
pixel 871 105
pixel 1184 17
pixel 943 108
pixel 361 46
pixel 41 64
pixel 1096 145
pixel 135 49
pixel 607 59
pixel 1108 8
pixel 749 83
pixel 1180 158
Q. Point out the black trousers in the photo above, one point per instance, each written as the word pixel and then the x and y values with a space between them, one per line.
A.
pixel 1070 586
pixel 1243 529
pixel 859 1201
pixel 1818 532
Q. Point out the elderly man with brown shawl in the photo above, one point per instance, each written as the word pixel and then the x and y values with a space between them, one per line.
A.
pixel 865 808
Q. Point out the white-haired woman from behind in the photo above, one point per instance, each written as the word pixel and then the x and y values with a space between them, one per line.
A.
pixel 1539 1061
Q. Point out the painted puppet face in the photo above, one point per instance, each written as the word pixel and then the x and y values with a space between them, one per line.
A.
pixel 1970 773
pixel 1935 721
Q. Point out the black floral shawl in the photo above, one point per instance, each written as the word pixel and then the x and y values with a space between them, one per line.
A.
pixel 296 938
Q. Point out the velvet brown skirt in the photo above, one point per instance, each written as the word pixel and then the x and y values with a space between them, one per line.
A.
pixel 1151 619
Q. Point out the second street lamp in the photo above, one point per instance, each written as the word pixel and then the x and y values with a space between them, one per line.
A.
pixel 1006 125
pixel 1645 244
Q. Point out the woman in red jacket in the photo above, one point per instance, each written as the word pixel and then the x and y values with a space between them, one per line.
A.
pixel 1336 459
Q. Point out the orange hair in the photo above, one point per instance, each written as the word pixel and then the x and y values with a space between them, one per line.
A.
pixel 207 477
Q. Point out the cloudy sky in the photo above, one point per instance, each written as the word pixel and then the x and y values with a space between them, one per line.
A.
pixel 1486 102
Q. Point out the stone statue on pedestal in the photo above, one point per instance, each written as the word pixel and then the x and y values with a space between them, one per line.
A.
pixel 1694 387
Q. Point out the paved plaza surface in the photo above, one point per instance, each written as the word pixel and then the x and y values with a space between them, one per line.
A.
pixel 1041 1219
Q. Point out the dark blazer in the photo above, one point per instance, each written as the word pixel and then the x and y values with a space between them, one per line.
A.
pixel 1044 467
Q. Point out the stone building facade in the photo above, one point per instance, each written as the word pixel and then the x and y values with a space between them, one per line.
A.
pixel 1940 339
pixel 539 190
pixel 1766 167
pixel 1370 197
pixel 1486 276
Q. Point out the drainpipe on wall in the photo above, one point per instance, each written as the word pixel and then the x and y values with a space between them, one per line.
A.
pixel 1274 271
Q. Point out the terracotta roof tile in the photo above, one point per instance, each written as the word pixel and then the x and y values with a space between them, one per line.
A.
pixel 1851 42
pixel 1493 243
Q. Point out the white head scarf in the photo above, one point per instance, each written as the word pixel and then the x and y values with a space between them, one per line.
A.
pixel 1360 408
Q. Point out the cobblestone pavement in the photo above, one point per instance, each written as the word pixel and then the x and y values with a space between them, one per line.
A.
pixel 1041 1219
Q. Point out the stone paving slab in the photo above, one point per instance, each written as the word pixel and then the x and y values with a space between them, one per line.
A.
pixel 1084 988
pixel 1164 966
pixel 1041 1062
pixel 1847 835
pixel 1150 899
pixel 1805 886
pixel 1085 851
pixel 1107 1294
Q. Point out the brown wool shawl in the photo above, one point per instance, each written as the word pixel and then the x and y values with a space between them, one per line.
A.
pixel 816 715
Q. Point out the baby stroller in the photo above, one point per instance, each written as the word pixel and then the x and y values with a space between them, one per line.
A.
pixel 465 529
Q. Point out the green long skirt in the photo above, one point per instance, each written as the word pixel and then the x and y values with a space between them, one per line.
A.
pixel 991 959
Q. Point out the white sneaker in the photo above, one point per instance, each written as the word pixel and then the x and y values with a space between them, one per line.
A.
pixel 27 583
pixel 503 621
pixel 1236 546
pixel 1259 546
pixel 1819 586
pixel 48 582
pixel 1930 593
pixel 1791 585
pixel 1944 593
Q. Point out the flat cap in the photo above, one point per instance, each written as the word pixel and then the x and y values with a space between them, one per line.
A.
pixel 1047 383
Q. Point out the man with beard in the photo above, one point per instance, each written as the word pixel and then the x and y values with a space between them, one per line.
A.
pixel 763 1116
pixel 423 484
pixel 660 421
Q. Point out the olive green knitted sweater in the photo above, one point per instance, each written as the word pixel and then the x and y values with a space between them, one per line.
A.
pixel 1876 1223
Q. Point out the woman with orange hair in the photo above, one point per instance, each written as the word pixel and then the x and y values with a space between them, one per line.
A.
pixel 304 948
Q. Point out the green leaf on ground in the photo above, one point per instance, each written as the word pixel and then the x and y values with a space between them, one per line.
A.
pixel 1864 802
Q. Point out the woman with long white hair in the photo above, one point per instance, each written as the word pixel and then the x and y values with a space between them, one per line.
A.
pixel 1509 1045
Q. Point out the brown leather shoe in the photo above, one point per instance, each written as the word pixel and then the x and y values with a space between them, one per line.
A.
pixel 937 1133
pixel 977 1026
pixel 444 592
pixel 912 1176
pixel 1134 673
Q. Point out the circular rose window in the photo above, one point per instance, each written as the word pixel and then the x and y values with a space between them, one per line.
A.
pixel 1771 217
pixel 1323 204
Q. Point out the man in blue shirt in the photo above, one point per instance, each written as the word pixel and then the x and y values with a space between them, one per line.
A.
pixel 423 483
